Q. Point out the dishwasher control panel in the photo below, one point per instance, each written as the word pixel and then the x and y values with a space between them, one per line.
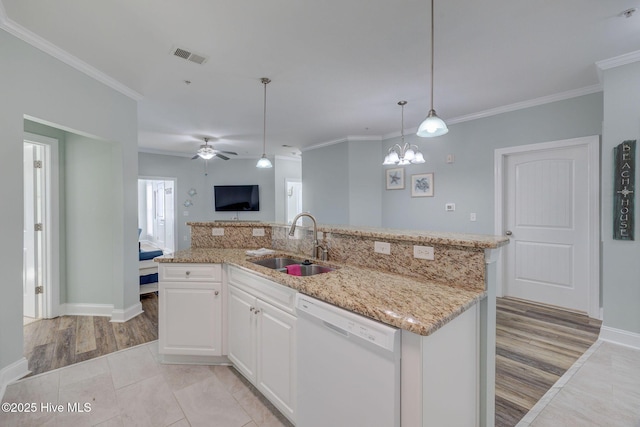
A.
pixel 345 322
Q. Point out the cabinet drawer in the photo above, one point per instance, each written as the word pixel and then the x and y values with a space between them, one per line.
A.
pixel 278 295
pixel 190 272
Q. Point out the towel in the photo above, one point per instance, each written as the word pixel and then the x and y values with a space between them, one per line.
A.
pixel 260 252
pixel 294 270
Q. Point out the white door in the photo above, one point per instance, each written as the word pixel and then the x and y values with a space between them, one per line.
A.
pixel 549 204
pixel 33 258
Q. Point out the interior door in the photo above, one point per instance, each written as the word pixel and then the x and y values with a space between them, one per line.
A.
pixel 547 218
pixel 33 257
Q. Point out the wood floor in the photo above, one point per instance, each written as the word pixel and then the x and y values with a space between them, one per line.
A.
pixel 54 343
pixel 535 346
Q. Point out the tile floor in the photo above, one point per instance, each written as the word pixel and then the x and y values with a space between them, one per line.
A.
pixel 601 389
pixel 130 388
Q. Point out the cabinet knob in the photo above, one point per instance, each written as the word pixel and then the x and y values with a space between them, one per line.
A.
pixel 216 293
pixel 187 273
pixel 508 233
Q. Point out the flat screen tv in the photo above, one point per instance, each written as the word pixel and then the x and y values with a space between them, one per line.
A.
pixel 236 198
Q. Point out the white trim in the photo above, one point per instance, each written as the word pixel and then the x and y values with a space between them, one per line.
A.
pixel 121 316
pixel 621 337
pixel 13 372
pixel 593 145
pixel 346 139
pixel 616 61
pixel 527 104
pixel 282 157
pixel 47 47
pixel 80 309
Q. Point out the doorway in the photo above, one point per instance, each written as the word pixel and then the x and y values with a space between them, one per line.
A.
pixel 156 213
pixel 547 202
pixel 40 226
pixel 293 198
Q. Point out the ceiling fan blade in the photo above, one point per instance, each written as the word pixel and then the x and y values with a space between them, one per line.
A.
pixel 221 156
pixel 195 157
pixel 227 152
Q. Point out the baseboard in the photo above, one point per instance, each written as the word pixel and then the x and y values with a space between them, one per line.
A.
pixel 120 316
pixel 73 309
pixel 619 336
pixel 12 373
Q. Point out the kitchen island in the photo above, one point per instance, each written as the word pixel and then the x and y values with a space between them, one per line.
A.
pixel 418 296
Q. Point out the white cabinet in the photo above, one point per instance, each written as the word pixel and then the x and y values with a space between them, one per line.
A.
pixel 190 311
pixel 261 336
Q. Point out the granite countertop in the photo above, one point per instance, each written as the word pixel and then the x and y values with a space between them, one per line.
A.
pixel 484 241
pixel 406 303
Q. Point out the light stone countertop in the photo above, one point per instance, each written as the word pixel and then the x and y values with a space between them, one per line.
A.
pixel 485 241
pixel 406 303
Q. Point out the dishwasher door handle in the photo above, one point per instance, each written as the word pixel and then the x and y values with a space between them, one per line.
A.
pixel 335 329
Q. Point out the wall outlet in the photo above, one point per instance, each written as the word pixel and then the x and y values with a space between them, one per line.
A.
pixel 472 216
pixel 382 248
pixel 451 158
pixel 258 232
pixel 423 252
pixel 450 207
pixel 217 231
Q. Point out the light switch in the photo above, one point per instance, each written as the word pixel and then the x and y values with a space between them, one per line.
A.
pixel 382 248
pixel 450 207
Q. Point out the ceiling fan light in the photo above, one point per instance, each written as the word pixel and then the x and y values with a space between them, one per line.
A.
pixel 264 163
pixel 432 126
pixel 206 152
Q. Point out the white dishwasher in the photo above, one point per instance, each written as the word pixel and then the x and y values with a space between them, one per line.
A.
pixel 348 368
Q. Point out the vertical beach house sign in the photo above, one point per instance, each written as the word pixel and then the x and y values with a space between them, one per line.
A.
pixel 624 186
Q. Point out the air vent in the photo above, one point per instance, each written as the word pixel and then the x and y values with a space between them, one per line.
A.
pixel 189 56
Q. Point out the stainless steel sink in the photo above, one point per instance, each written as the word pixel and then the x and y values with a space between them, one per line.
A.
pixel 281 263
pixel 276 263
pixel 310 270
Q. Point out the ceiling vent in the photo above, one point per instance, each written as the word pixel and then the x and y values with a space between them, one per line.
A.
pixel 189 56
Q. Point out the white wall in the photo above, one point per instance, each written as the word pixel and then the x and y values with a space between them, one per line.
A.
pixel 40 87
pixel 620 266
pixel 191 174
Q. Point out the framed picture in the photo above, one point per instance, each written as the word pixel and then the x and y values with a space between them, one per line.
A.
pixel 422 185
pixel 395 178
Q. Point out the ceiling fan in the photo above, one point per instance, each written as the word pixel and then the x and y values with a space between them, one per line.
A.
pixel 207 152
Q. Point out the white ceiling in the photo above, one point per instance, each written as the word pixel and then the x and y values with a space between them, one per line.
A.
pixel 338 67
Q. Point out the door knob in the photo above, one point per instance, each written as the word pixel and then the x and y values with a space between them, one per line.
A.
pixel 508 233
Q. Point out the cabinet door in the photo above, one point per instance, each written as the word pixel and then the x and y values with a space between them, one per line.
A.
pixel 242 332
pixel 276 341
pixel 190 319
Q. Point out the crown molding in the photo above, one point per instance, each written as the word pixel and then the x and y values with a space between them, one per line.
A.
pixel 346 139
pixel 627 58
pixel 49 48
pixel 527 104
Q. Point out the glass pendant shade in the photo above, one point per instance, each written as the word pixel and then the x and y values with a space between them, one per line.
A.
pixel 432 126
pixel 419 158
pixel 264 163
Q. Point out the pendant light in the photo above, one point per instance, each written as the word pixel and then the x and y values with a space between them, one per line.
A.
pixel 432 125
pixel 406 153
pixel 264 163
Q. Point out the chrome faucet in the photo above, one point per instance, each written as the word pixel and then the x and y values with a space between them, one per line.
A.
pixel 316 245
